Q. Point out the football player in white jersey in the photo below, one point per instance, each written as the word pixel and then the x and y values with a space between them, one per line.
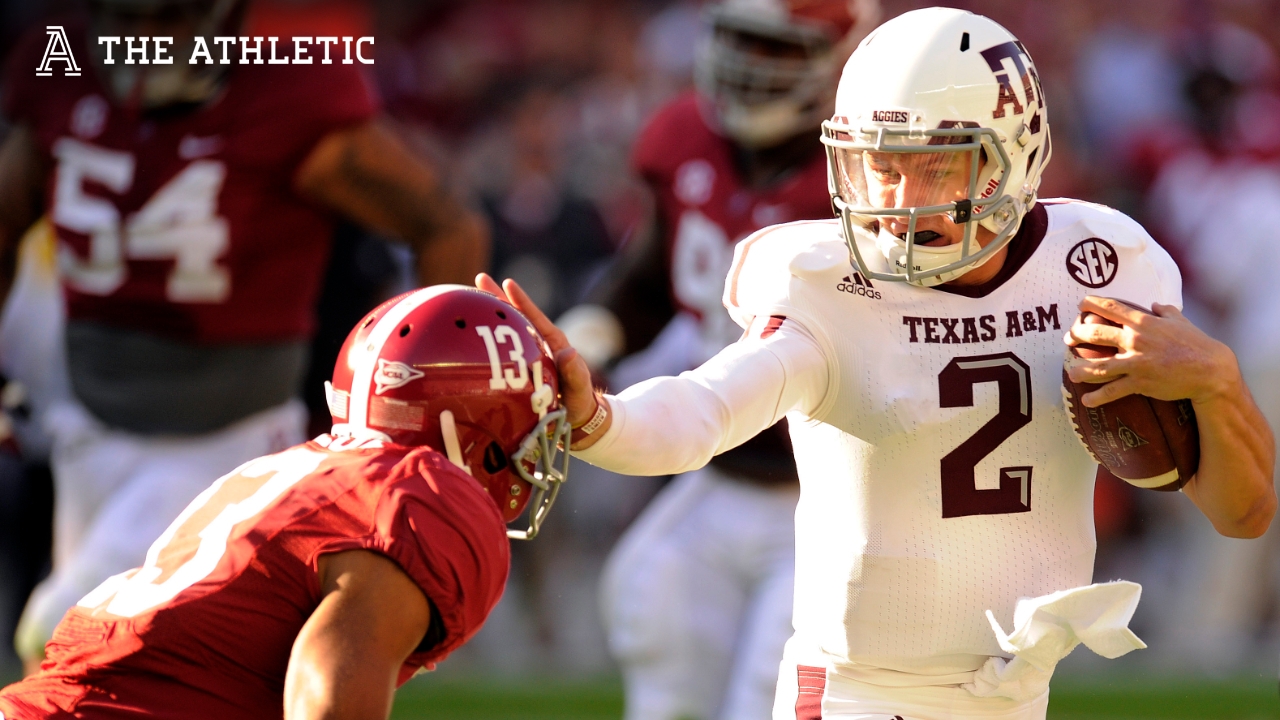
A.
pixel 941 483
pixel 696 596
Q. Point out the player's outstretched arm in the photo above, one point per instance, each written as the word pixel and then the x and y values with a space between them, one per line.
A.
pixel 22 182
pixel 676 424
pixel 369 175
pixel 347 657
pixel 1165 356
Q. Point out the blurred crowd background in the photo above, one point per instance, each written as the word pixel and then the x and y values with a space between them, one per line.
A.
pixel 1168 110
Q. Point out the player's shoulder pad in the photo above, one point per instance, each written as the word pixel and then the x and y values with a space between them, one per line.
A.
pixel 766 262
pixel 1101 221
pixel 1137 252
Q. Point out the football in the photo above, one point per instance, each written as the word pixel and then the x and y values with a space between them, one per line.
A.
pixel 1148 443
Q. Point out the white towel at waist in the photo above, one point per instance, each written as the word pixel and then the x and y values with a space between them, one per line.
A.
pixel 1047 628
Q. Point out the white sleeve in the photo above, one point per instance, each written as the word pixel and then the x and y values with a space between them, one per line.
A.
pixel 675 424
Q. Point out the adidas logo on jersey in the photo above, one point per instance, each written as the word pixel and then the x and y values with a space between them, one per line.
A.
pixel 857 284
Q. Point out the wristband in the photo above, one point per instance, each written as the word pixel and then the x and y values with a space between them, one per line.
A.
pixel 592 425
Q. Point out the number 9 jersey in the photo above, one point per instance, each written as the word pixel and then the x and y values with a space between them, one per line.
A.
pixel 940 477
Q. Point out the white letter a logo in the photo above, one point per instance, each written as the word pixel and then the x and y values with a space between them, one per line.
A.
pixel 58 50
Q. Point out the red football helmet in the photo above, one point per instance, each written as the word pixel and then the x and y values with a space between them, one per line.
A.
pixel 463 372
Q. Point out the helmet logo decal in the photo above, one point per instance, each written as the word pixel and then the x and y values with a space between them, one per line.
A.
pixel 889 116
pixel 995 57
pixel 1093 262
pixel 392 374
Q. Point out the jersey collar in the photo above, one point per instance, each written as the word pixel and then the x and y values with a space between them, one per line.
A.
pixel 1021 248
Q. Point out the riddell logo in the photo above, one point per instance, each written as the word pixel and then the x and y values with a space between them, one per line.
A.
pixel 857 284
pixel 58 50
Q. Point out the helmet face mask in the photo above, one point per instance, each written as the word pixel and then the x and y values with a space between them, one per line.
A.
pixel 764 71
pixel 939 119
pixel 153 85
pixel 886 177
pixel 464 373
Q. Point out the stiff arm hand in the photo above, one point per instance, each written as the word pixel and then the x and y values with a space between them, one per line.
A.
pixel 576 391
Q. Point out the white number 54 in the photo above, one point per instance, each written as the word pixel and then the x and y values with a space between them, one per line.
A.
pixel 179 222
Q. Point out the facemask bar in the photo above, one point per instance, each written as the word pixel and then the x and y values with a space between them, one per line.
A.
pixel 542 448
pixel 149 87
pixel 996 205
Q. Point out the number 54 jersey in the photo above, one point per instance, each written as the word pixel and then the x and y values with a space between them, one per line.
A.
pixel 205 627
pixel 186 224
pixel 940 477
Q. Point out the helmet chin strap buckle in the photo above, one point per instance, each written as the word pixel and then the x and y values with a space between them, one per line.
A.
pixel 963 212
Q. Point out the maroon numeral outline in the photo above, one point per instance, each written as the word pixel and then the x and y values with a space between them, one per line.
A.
pixel 960 495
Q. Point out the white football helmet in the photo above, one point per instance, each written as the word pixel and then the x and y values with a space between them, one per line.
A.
pixel 951 96
pixel 766 69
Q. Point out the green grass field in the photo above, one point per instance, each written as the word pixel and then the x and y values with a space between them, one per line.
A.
pixel 1255 698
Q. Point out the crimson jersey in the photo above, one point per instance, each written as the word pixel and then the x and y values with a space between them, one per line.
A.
pixel 205 627
pixel 705 207
pixel 185 224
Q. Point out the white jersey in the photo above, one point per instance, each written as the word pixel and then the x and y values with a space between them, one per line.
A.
pixel 939 474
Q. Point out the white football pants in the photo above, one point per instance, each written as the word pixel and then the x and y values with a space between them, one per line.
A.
pixel 696 599
pixel 807 690
pixel 116 492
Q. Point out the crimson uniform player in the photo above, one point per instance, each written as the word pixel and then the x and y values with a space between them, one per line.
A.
pixel 697 596
pixel 193 209
pixel 320 578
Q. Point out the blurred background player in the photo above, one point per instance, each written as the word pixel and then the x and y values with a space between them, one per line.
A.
pixel 696 598
pixel 193 207
pixel 331 572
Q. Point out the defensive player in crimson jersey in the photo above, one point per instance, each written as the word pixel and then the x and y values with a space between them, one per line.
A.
pixel 944 532
pixel 739 154
pixel 193 206
pixel 314 581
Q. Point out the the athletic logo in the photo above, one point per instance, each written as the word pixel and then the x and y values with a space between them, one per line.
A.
pixel 1093 262
pixel 858 284
pixel 58 50
pixel 392 374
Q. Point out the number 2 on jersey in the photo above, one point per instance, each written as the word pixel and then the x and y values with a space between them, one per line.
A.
pixel 960 494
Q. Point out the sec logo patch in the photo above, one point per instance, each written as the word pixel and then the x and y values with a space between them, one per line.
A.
pixel 1093 262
